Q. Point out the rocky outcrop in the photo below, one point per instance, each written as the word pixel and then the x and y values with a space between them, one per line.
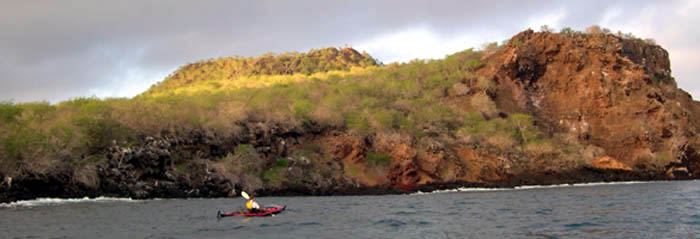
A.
pixel 606 162
pixel 608 106
pixel 612 93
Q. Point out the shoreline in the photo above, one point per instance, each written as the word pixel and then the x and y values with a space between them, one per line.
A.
pixel 474 187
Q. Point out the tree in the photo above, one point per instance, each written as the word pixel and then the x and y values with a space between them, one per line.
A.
pixel 546 28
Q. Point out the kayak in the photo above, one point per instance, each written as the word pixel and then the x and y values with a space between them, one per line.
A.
pixel 264 212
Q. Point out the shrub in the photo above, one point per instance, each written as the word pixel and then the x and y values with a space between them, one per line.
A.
pixel 568 30
pixel 483 103
pixel 594 30
pixel 386 119
pixel 321 60
pixel 303 108
pixel 489 48
pixel 282 163
pixel 324 115
pixel 459 89
pixel 357 120
pixel 540 148
pixel 9 111
pixel 524 130
pixel 501 141
pixel 246 158
pixel 546 28
pixel 20 143
pixel 379 159
pixel 98 133
pixel 274 176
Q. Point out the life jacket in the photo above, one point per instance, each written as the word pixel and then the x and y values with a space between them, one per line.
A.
pixel 249 204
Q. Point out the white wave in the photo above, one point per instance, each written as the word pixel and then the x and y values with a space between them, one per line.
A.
pixel 60 201
pixel 530 187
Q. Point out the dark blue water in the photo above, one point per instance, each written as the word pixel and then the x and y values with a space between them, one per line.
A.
pixel 642 210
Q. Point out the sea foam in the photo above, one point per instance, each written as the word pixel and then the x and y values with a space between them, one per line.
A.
pixel 530 187
pixel 60 201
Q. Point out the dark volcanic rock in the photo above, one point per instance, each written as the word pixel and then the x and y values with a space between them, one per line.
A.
pixel 611 102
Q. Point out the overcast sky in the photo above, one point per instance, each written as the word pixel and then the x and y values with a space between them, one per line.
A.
pixel 57 50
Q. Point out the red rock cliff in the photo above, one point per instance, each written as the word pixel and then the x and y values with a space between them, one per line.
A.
pixel 614 93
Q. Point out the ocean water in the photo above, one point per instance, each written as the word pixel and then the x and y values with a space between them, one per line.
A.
pixel 620 210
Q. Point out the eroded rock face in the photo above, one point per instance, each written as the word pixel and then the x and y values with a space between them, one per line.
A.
pixel 606 162
pixel 616 94
pixel 611 97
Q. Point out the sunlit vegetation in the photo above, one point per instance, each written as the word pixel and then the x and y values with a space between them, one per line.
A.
pixel 597 30
pixel 232 68
pixel 331 88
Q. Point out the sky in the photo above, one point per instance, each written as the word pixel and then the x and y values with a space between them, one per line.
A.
pixel 59 50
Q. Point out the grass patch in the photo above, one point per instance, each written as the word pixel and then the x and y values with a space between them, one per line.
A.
pixel 273 176
pixel 380 159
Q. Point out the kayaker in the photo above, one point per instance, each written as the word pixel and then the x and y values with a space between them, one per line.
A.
pixel 252 205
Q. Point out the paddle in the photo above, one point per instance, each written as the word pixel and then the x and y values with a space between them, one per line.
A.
pixel 247 197
pixel 244 195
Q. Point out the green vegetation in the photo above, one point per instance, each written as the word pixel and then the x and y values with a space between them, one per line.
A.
pixel 597 30
pixel 336 88
pixel 9 112
pixel 274 175
pixel 230 68
pixel 379 159
pixel 569 30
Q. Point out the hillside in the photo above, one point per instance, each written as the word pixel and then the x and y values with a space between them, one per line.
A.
pixel 543 108
pixel 231 68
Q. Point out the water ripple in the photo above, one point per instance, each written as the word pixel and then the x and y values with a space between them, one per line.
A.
pixel 544 211
pixel 404 213
pixel 654 210
pixel 310 224
pixel 580 225
pixel 390 222
pixel 274 225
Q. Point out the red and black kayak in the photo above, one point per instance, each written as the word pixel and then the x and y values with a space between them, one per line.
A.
pixel 263 212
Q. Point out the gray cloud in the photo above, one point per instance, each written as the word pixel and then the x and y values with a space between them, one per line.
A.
pixel 55 50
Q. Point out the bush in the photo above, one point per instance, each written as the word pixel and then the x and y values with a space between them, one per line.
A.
pixel 594 30
pixel 98 132
pixel 489 48
pixel 274 176
pixel 324 115
pixel 357 120
pixel 546 28
pixel 331 87
pixel 540 148
pixel 303 108
pixel 524 130
pixel 386 119
pixel 501 141
pixel 568 31
pixel 321 60
pixel 283 163
pixel 379 159
pixel 22 143
pixel 9 111
pixel 483 103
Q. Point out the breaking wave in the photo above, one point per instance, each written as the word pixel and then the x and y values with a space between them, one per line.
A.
pixel 529 187
pixel 60 201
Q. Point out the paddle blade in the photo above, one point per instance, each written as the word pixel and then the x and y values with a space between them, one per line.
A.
pixel 245 195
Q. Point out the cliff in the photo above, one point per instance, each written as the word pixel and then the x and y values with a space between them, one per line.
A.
pixel 612 93
pixel 544 108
